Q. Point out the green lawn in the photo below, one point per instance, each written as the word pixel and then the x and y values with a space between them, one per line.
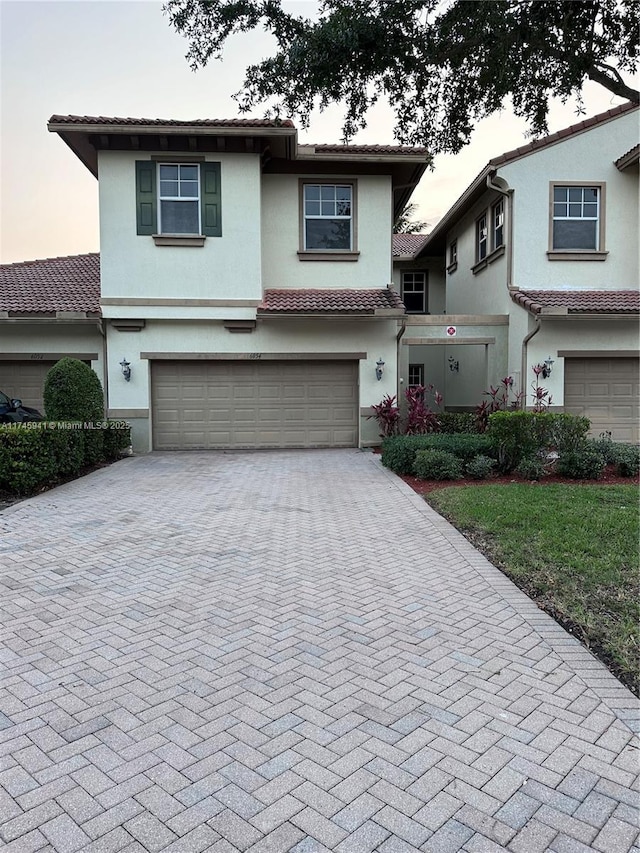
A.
pixel 574 549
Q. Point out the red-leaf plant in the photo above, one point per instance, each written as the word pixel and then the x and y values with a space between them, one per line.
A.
pixel 420 417
pixel 501 399
pixel 388 416
pixel 541 397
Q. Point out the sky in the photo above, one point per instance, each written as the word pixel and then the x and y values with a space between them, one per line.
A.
pixel 121 58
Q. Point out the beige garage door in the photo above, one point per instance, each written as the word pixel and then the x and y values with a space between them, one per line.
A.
pixel 25 379
pixel 605 390
pixel 224 404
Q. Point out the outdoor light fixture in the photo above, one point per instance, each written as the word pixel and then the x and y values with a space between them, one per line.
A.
pixel 454 366
pixel 546 368
pixel 126 369
pixel 379 368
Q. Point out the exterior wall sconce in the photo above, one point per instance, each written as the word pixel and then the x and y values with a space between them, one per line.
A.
pixel 379 368
pixel 126 369
pixel 454 366
pixel 546 368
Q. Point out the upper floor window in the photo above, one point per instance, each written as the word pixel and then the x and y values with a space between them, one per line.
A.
pixel 414 292
pixel 482 237
pixel 328 217
pixel 179 198
pixel 179 201
pixel 497 225
pixel 453 256
pixel 576 218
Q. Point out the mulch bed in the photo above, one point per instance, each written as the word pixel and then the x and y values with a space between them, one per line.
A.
pixel 423 487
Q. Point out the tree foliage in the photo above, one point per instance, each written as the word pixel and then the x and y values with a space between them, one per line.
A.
pixel 406 224
pixel 442 64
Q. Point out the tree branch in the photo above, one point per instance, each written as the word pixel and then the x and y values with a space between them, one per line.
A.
pixel 614 83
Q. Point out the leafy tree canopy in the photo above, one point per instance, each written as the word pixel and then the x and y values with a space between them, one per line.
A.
pixel 442 64
pixel 405 222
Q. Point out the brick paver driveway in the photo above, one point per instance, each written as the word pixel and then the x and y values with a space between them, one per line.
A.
pixel 289 652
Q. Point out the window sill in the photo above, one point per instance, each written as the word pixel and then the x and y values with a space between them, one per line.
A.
pixel 558 255
pixel 489 259
pixel 179 239
pixel 329 255
pixel 452 268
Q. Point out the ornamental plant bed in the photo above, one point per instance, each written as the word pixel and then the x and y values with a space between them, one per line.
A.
pixel 423 487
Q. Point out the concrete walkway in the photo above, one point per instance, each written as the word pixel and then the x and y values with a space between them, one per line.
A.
pixel 289 651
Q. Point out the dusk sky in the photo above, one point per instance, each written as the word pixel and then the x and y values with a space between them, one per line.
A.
pixel 123 59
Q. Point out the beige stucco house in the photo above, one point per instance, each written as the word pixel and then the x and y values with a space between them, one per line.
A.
pixel 536 262
pixel 243 284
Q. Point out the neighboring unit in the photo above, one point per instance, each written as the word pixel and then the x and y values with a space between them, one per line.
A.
pixel 537 261
pixel 244 282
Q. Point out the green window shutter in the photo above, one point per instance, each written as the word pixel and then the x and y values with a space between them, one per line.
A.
pixel 146 199
pixel 211 199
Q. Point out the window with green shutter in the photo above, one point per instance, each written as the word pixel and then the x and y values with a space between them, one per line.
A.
pixel 178 198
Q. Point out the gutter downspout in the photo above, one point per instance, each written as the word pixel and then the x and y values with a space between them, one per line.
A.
pixel 403 329
pixel 101 329
pixel 523 366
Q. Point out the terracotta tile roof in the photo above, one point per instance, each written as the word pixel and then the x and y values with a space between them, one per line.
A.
pixel 631 157
pixel 370 149
pixel 553 138
pixel 407 244
pixel 153 122
pixel 579 301
pixel 330 301
pixel 52 284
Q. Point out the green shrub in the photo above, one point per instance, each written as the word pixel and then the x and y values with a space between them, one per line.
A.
pixel 567 432
pixel 436 464
pixel 605 447
pixel 116 439
pixel 72 392
pixel 627 460
pixel 523 435
pixel 583 464
pixel 531 468
pixel 457 422
pixel 68 448
pixel 480 467
pixel 398 452
pixel 27 458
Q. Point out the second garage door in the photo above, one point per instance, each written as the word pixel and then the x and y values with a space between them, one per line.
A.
pixel 25 380
pixel 244 404
pixel 605 390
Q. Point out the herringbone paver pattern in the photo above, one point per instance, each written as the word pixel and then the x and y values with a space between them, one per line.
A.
pixel 289 651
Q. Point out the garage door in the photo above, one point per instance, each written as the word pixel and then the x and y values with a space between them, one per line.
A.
pixel 25 379
pixel 243 404
pixel 605 390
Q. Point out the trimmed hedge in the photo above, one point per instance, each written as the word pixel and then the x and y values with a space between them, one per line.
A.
pixel 434 464
pixel 457 422
pixel 399 451
pixel 34 456
pixel 72 392
pixel 524 435
pixel 582 464
pixel 480 467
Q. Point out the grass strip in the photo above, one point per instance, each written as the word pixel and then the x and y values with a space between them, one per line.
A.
pixel 572 548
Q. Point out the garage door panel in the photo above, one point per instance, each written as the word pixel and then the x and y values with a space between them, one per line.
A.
pixel 254 404
pixel 606 391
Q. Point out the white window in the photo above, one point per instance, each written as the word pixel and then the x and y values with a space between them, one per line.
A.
pixel 576 218
pixel 179 198
pixel 497 225
pixel 328 217
pixel 481 237
pixel 453 253
pixel 414 292
pixel 416 375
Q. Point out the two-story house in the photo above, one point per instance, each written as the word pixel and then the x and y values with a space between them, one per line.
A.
pixel 245 291
pixel 536 263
